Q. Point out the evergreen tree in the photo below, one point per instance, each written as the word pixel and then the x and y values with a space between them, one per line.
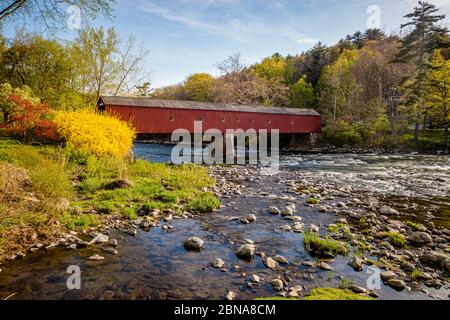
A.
pixel 417 46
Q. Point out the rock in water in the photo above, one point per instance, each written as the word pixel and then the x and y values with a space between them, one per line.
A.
pixel 397 284
pixel 110 250
pixel 356 263
pixel 255 278
pixel 277 284
pixel 388 275
pixel 388 211
pixel 218 263
pixel 274 210
pixel 193 243
pixel 96 257
pixel 325 266
pixel 357 289
pixel 280 259
pixel 99 238
pixel 250 218
pixel 230 295
pixel 246 251
pixel 270 263
pixel 288 211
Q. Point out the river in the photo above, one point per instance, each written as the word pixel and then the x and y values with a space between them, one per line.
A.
pixel 155 265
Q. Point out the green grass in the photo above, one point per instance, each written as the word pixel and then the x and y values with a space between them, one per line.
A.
pixel 313 201
pixel 431 139
pixel 323 245
pixel 416 274
pixel 45 174
pixel 204 203
pixel 334 294
pixel 414 225
pixel 396 239
pixel 338 228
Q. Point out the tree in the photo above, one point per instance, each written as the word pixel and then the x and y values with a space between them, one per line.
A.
pixel 144 89
pixel 271 68
pixel 7 106
pixel 174 92
pixel 241 88
pixel 374 35
pixel 129 67
pixel 51 14
pixel 199 87
pixel 97 49
pixel 436 92
pixel 417 47
pixel 302 94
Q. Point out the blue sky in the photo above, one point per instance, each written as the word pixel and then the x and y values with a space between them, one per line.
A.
pixel 189 36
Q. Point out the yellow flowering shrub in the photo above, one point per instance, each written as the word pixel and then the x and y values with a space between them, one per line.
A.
pixel 101 135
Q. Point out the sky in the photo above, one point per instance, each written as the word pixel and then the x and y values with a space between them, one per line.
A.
pixel 190 36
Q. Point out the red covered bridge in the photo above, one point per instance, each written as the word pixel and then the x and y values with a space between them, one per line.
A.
pixel 150 116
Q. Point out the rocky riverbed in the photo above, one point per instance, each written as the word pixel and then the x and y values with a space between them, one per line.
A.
pixel 389 215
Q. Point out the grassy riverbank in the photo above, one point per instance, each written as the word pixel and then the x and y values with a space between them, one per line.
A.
pixel 46 191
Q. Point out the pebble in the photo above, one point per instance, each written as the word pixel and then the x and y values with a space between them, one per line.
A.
pixel 96 257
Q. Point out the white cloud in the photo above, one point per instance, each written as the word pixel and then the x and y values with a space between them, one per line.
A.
pixel 241 27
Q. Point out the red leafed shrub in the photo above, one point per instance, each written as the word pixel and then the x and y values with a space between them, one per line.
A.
pixel 31 121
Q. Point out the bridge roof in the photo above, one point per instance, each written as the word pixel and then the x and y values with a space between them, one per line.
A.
pixel 181 104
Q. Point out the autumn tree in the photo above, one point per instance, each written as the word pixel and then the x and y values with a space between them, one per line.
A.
pixel 239 84
pixel 199 87
pixel 436 92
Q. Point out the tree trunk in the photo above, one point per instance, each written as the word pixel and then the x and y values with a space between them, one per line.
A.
pixel 416 133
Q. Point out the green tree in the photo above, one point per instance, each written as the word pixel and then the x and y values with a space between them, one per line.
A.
pixel 417 47
pixel 436 92
pixel 199 87
pixel 271 68
pixel 302 94
pixel 96 51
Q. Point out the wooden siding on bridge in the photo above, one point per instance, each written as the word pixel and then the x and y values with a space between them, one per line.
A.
pixel 148 119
